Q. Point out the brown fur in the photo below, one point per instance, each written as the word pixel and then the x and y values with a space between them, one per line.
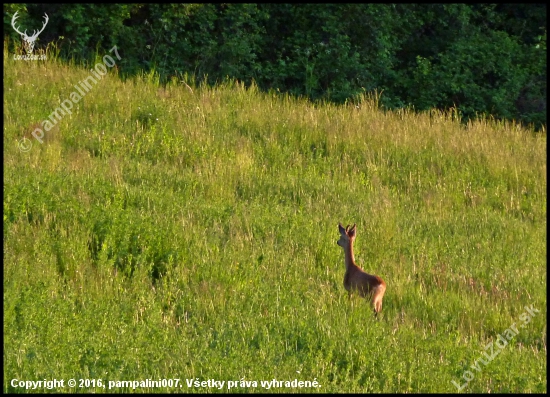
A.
pixel 356 279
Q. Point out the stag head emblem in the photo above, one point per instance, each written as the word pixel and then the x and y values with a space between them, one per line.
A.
pixel 29 40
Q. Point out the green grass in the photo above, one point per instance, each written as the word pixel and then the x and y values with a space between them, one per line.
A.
pixel 190 233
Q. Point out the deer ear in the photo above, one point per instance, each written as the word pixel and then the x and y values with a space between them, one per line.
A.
pixel 351 232
pixel 341 228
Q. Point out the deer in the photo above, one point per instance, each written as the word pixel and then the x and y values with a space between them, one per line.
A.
pixel 355 278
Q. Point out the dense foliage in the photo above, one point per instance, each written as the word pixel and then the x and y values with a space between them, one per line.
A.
pixel 482 59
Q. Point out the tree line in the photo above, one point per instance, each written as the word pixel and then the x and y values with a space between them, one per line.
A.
pixel 481 59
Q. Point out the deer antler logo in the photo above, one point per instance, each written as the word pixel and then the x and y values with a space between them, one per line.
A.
pixel 29 40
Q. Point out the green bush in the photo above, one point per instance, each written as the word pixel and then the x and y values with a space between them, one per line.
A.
pixel 481 59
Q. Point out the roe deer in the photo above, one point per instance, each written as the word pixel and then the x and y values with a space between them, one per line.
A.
pixel 356 279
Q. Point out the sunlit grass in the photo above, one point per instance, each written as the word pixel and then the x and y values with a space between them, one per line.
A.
pixel 175 232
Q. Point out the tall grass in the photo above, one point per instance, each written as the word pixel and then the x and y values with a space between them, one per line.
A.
pixel 190 232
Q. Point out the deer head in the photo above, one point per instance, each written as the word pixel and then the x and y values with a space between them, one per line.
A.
pixel 347 235
pixel 29 40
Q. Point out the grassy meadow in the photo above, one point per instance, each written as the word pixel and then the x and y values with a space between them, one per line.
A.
pixel 189 232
